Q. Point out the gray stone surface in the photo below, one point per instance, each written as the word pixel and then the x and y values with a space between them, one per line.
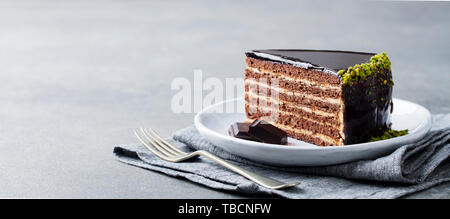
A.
pixel 78 76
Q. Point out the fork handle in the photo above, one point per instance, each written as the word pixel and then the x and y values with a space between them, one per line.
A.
pixel 261 180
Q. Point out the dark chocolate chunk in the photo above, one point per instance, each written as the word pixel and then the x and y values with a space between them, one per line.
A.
pixel 240 130
pixel 268 133
pixel 259 130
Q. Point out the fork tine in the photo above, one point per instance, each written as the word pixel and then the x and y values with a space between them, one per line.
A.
pixel 169 146
pixel 164 144
pixel 152 149
pixel 156 144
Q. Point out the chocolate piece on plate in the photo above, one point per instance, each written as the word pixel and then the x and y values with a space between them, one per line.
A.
pixel 267 133
pixel 240 130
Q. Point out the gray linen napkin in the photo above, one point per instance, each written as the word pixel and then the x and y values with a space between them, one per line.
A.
pixel 408 169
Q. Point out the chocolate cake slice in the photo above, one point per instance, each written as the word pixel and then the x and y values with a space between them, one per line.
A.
pixel 323 97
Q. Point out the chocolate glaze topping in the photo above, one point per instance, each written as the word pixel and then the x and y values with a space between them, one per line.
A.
pixel 329 61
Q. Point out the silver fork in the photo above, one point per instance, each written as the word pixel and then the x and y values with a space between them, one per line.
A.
pixel 168 152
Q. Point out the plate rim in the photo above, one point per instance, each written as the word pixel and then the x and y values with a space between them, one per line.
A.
pixel 202 128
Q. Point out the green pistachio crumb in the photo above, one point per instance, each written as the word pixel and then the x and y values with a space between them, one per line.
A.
pixel 378 64
pixel 390 133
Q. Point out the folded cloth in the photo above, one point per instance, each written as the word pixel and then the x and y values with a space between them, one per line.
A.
pixel 408 169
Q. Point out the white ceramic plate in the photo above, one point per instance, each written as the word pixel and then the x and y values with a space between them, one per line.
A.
pixel 214 127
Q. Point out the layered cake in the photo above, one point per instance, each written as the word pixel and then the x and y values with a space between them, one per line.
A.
pixel 327 98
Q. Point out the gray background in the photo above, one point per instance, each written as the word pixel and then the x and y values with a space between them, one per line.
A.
pixel 78 76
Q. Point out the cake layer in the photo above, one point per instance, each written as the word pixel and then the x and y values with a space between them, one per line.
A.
pixel 313 133
pixel 271 109
pixel 298 122
pixel 312 138
pixel 257 99
pixel 315 76
pixel 293 78
pixel 327 105
pixel 303 108
pixel 332 120
pixel 295 118
pixel 293 84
